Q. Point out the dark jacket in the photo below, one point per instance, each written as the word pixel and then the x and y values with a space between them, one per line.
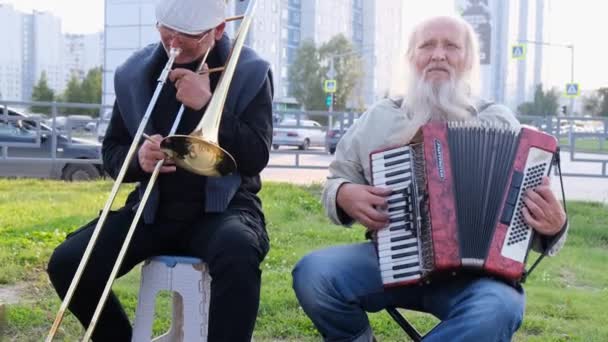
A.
pixel 245 129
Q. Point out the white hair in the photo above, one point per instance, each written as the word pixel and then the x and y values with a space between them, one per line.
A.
pixel 450 100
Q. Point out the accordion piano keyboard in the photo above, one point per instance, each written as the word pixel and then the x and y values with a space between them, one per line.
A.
pixel 398 244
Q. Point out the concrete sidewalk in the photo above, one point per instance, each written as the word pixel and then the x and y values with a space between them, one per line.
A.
pixel 576 188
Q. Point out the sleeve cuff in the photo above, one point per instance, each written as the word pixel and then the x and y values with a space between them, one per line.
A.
pixel 330 195
pixel 552 244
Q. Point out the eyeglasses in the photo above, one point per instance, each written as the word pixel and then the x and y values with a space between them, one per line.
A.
pixel 187 39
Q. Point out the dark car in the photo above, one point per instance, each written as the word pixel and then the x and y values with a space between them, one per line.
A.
pixel 335 134
pixel 27 144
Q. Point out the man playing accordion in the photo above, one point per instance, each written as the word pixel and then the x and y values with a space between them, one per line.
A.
pixel 338 285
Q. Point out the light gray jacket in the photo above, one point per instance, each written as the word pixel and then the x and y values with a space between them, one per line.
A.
pixel 385 124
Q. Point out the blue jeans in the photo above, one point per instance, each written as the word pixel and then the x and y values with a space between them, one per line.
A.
pixel 338 285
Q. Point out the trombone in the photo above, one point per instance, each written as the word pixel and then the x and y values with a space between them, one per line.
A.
pixel 198 152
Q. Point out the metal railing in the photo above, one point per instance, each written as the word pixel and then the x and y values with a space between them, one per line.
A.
pixel 582 139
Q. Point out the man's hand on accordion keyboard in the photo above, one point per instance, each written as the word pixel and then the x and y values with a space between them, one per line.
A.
pixel 365 204
pixel 543 211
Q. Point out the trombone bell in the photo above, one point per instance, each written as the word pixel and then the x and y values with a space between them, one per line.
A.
pixel 198 155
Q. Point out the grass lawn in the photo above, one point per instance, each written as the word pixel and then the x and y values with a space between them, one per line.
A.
pixel 567 295
pixel 589 145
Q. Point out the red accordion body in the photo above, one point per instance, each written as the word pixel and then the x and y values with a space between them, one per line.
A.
pixel 456 200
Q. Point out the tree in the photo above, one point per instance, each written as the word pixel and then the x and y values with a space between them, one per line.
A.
pixel 85 91
pixel 42 93
pixel 545 103
pixel 306 74
pixel 603 107
pixel 73 94
pixel 305 77
pixel 591 103
pixel 348 67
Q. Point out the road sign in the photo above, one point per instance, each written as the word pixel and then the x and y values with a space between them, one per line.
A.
pixel 518 51
pixel 330 86
pixel 573 89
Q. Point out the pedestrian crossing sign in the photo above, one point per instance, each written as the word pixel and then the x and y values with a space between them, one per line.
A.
pixel 573 89
pixel 518 51
pixel 329 86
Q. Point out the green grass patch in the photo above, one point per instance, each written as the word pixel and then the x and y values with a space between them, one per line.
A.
pixel 567 295
pixel 589 145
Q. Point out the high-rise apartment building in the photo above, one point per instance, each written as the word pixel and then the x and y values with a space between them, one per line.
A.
pixel 11 67
pixel 82 52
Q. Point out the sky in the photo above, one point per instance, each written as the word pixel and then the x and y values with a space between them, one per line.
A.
pixel 580 22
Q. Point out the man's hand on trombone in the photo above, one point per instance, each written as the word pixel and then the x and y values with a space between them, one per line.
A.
pixel 149 154
pixel 193 89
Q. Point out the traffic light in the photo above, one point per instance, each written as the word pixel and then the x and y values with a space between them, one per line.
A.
pixel 329 100
pixel 334 100
pixel 564 109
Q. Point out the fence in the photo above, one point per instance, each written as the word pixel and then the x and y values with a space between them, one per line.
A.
pixel 44 146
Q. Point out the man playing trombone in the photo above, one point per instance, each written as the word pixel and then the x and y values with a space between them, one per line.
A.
pixel 219 220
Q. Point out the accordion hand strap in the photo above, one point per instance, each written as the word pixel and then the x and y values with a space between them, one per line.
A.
pixel 556 238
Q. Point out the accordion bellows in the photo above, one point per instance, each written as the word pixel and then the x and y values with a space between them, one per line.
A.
pixel 457 200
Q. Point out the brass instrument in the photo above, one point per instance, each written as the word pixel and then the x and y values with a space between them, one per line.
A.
pixel 198 152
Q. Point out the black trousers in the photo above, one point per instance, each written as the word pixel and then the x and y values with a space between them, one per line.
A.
pixel 232 243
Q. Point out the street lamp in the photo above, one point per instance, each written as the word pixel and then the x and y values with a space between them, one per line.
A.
pixel 568 46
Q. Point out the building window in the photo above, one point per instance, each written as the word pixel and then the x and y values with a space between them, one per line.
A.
pixel 294 36
pixel 294 18
pixel 291 55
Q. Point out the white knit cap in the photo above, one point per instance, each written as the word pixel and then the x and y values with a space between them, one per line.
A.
pixel 190 16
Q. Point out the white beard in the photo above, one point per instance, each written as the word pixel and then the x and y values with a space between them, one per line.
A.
pixel 448 101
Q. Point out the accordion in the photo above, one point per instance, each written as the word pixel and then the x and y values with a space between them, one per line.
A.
pixel 456 201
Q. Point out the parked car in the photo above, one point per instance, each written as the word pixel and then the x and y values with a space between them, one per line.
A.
pixel 334 134
pixel 102 125
pixel 20 136
pixel 308 133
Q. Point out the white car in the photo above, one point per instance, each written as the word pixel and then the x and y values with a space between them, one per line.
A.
pixel 303 135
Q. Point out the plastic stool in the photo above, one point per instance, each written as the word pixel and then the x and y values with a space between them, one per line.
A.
pixel 190 282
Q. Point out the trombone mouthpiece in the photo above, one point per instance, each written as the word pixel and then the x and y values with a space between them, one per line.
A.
pixel 174 52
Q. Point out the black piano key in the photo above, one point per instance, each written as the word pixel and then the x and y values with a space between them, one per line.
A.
pixel 400 238
pixel 396 200
pixel 398 180
pixel 407 208
pixel 407 245
pixel 405 218
pixel 408 265
pixel 405 275
pixel 403 255
pixel 400 227
pixel 395 162
pixel 396 173
pixel 395 154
